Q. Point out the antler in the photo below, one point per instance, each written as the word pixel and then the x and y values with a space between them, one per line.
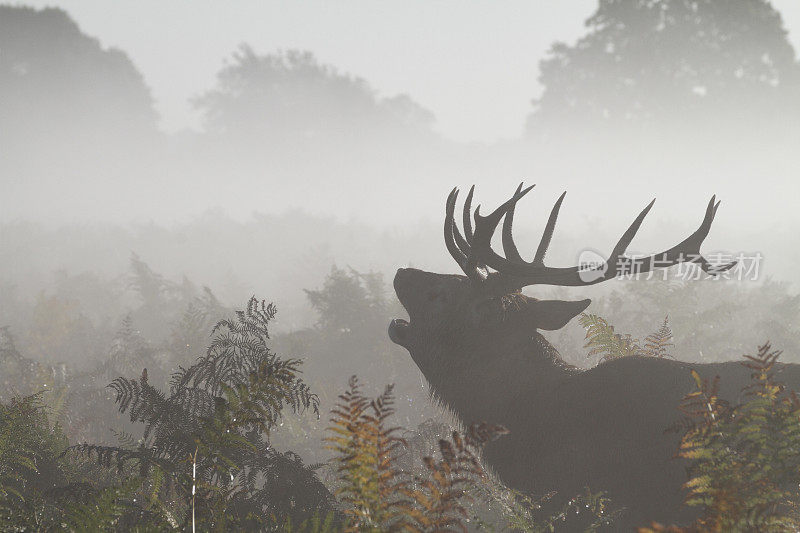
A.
pixel 473 252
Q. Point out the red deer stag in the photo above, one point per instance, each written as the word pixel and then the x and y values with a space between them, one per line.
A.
pixel 474 338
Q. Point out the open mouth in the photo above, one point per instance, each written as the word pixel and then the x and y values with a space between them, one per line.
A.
pixel 399 331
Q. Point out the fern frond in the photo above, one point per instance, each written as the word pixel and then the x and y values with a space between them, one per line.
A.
pixel 103 512
pixel 603 341
pixel 366 449
pixel 440 501
pixel 657 343
pixel 207 438
pixel 744 468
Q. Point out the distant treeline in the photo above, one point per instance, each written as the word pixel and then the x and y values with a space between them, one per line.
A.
pixel 683 94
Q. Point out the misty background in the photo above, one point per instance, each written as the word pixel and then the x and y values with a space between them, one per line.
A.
pixel 163 162
pixel 250 149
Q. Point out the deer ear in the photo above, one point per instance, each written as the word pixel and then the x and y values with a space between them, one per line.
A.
pixel 553 314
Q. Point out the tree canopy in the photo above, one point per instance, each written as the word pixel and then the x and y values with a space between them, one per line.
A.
pixel 650 61
pixel 58 82
pixel 290 95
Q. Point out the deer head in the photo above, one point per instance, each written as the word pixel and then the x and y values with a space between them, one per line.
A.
pixel 451 314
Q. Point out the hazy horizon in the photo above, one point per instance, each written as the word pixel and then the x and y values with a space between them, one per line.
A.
pixel 452 58
pixel 292 134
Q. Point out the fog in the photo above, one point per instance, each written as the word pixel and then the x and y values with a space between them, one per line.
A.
pixel 295 150
pixel 281 131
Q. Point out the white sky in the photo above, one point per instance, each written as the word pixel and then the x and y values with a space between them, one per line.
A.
pixel 473 63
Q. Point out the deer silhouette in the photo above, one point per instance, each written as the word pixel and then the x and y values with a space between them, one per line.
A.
pixel 475 339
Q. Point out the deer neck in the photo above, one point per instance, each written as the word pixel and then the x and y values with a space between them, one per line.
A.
pixel 496 379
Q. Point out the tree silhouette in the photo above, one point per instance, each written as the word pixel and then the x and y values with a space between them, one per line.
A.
pixel 290 96
pixel 649 61
pixel 350 301
pixel 78 120
pixel 58 83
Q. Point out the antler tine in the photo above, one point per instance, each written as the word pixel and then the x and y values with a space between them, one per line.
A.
pixel 711 212
pixel 630 233
pixel 693 242
pixel 702 231
pixel 548 232
pixel 509 248
pixel 485 226
pixel 462 244
pixel 687 251
pixel 458 248
pixel 449 227
pixel 467 215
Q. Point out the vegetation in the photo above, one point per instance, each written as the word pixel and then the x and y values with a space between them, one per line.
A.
pixel 97 85
pixel 215 426
pixel 365 449
pixel 657 343
pixel 744 467
pixel 604 342
pixel 203 454
pixel 290 98
pixel 710 320
pixel 138 402
pixel 646 62
pixel 447 493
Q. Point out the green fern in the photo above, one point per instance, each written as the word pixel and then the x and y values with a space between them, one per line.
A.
pixel 366 449
pixel 603 341
pixel 207 438
pixel 17 455
pixel 31 465
pixel 656 344
pixel 315 524
pixel 104 511
pixel 745 468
